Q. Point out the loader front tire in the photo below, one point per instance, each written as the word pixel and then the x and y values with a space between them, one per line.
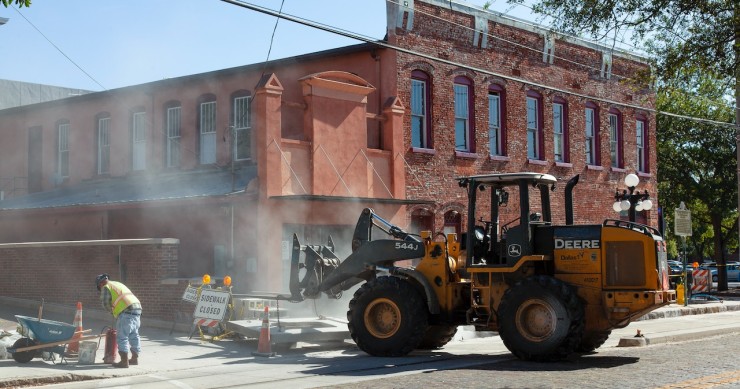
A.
pixel 541 319
pixel 387 317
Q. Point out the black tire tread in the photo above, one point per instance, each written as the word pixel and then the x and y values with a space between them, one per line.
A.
pixel 437 336
pixel 408 298
pixel 593 340
pixel 573 305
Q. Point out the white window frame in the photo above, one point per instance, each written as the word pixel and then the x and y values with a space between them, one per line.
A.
pixel 63 150
pixel 494 124
pixel 533 126
pixel 462 117
pixel 139 134
pixel 208 132
pixel 242 127
pixel 590 136
pixel 641 154
pixel 419 114
pixel 174 121
pixel 104 145
pixel 558 131
pixel 614 139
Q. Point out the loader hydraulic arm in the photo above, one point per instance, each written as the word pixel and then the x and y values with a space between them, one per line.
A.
pixel 326 273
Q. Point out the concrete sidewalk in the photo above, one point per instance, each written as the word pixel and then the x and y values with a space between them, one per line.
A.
pixel 165 351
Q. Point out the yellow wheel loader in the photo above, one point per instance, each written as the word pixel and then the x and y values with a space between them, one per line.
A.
pixel 550 291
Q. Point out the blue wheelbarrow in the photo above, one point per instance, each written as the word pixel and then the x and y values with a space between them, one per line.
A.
pixel 43 338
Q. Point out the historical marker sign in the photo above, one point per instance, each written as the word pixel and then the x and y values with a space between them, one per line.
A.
pixel 682 221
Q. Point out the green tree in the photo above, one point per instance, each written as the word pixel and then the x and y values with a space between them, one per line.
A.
pixel 701 35
pixel 19 3
pixel 697 161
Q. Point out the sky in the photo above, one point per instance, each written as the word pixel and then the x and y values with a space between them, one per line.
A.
pixel 107 44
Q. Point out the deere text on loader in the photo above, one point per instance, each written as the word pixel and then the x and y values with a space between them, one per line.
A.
pixel 548 290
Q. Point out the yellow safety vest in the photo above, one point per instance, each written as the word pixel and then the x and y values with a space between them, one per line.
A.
pixel 121 297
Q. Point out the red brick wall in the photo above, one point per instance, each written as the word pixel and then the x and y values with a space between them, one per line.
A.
pixel 432 174
pixel 64 272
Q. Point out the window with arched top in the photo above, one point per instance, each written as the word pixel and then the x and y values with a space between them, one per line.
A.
pixel 464 115
pixel 102 139
pixel 422 219
pixel 535 137
pixel 616 138
pixel 62 162
pixel 173 123
pixel 497 120
pixel 592 134
pixel 561 141
pixel 642 145
pixel 421 113
pixel 207 129
pixel 453 223
pixel 241 119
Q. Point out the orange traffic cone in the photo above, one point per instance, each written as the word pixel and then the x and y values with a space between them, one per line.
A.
pixel 264 348
pixel 74 347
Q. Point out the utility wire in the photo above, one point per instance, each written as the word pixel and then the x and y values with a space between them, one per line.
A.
pixel 59 50
pixel 363 38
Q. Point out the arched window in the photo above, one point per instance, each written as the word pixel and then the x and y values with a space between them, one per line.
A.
pixel 173 122
pixel 139 135
pixel 643 152
pixel 421 113
pixel 535 137
pixel 422 219
pixel 241 121
pixel 497 120
pixel 102 139
pixel 593 156
pixel 62 162
pixel 464 115
pixel 207 129
pixel 561 141
pixel 453 223
pixel 616 138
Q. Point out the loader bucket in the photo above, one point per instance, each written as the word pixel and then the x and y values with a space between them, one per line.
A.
pixel 318 262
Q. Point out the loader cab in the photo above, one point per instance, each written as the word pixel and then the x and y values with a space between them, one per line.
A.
pixel 492 241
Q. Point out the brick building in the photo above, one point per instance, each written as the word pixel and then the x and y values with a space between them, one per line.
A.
pixel 233 162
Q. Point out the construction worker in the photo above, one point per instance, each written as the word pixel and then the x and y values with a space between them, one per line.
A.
pixel 126 309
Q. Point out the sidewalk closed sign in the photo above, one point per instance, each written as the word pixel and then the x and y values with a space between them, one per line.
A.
pixel 211 305
pixel 190 295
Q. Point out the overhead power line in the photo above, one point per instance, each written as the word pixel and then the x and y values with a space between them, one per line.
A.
pixel 362 38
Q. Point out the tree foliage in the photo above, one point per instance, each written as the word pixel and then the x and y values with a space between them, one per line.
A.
pixel 19 3
pixel 678 33
pixel 697 160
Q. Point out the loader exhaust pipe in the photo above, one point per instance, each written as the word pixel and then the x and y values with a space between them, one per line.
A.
pixel 569 199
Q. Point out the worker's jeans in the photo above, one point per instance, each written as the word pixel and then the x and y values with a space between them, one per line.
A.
pixel 127 326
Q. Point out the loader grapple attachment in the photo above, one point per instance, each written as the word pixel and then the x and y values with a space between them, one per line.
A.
pixel 318 262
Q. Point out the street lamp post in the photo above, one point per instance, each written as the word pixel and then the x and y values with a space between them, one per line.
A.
pixel 631 200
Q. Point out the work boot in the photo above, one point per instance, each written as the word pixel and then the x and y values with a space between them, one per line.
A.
pixel 124 360
pixel 134 358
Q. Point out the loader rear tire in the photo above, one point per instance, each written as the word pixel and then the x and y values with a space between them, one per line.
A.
pixel 24 356
pixel 541 319
pixel 437 336
pixel 592 340
pixel 387 317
